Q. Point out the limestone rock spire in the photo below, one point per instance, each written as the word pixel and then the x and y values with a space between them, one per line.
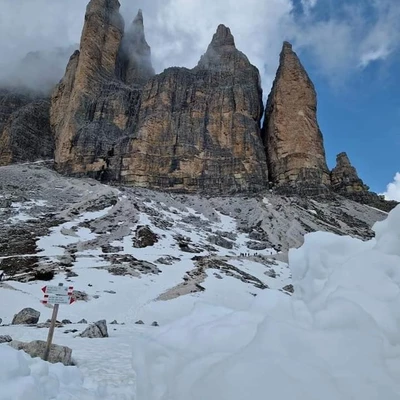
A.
pixel 135 65
pixel 293 140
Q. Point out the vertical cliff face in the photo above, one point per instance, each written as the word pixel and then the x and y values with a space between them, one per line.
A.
pixel 90 108
pixel 134 66
pixel 24 126
pixel 199 129
pixel 293 140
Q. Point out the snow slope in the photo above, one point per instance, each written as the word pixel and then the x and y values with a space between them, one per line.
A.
pixel 222 336
pixel 337 338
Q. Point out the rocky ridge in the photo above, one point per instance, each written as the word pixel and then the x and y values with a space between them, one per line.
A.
pixel 113 119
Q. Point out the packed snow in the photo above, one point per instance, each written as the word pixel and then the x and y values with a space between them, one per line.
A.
pixel 337 337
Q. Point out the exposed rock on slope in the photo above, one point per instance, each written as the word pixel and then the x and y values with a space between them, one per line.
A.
pixel 134 66
pixel 90 108
pixel 199 129
pixel 293 140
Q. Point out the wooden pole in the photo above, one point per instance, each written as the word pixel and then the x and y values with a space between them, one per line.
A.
pixel 51 330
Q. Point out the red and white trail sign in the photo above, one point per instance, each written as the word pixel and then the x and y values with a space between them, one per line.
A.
pixel 55 295
pixel 58 290
pixel 57 299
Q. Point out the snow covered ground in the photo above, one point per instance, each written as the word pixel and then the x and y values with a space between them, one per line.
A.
pixel 228 330
pixel 337 337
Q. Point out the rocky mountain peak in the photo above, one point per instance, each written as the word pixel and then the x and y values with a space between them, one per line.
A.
pixel 344 177
pixel 222 37
pixel 134 65
pixel 342 160
pixel 293 140
pixel 139 18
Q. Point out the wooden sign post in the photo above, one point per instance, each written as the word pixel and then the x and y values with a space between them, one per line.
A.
pixel 55 295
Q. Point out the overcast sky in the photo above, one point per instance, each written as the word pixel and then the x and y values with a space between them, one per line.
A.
pixel 340 41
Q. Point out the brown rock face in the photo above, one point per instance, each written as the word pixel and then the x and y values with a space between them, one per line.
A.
pixel 134 67
pixel 199 129
pixel 90 108
pixel 293 140
pixel 25 133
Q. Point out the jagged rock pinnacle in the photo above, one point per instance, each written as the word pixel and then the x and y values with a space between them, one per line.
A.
pixel 134 66
pixel 223 37
pixel 342 159
pixel 139 17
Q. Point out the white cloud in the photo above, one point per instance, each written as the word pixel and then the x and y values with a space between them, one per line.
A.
pixel 393 189
pixel 342 36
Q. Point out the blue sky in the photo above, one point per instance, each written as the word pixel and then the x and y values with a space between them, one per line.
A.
pixel 359 107
pixel 350 48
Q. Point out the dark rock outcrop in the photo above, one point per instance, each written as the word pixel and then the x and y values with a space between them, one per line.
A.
pixel 199 129
pixel 346 182
pixel 292 138
pixel 25 133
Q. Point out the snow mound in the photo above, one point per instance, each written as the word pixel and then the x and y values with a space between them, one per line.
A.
pixel 26 378
pixel 336 338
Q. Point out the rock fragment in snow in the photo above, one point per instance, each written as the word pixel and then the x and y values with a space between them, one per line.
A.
pixel 140 322
pixel 144 237
pixel 96 330
pixel 155 323
pixel 82 321
pixel 289 288
pixel 66 321
pixel 27 316
pixel 114 322
pixel 5 339
pixel 36 348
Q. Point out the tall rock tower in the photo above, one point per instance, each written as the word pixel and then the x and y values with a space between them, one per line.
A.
pixel 134 66
pixel 291 135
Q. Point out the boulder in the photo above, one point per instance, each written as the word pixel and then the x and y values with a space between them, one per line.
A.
pixel 291 134
pixel 220 241
pixel 82 321
pixel 27 316
pixel 58 354
pixel 96 330
pixel 140 322
pixel 5 339
pixel 144 237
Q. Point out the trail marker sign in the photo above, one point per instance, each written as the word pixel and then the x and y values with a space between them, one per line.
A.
pixel 57 299
pixel 58 290
pixel 55 295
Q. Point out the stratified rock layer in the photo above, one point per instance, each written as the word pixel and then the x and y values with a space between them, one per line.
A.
pixel 293 140
pixel 199 129
pixel 25 133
